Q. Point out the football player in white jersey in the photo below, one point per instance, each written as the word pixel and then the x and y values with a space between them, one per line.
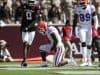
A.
pixel 85 13
pixel 55 44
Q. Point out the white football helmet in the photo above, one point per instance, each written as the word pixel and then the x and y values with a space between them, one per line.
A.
pixel 3 43
pixel 83 3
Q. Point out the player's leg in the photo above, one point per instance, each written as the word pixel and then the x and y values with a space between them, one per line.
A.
pixel 89 55
pixel 67 48
pixel 82 37
pixel 43 56
pixel 68 52
pixel 97 44
pixel 89 44
pixel 25 46
pixel 93 48
pixel 59 56
pixel 44 49
pixel 7 53
pixel 27 38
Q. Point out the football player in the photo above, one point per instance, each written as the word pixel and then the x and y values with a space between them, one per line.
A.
pixel 4 52
pixel 28 28
pixel 84 13
pixel 56 45
pixel 67 35
pixel 95 43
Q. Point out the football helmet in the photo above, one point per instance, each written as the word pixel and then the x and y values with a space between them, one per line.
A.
pixel 83 2
pixel 3 43
pixel 31 2
pixel 42 25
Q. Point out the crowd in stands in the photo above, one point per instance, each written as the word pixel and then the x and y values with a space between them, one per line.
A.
pixel 55 11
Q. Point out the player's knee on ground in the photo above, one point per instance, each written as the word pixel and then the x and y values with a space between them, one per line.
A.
pixel 83 44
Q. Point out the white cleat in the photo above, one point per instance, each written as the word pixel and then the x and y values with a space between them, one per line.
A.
pixel 84 64
pixel 90 64
pixel 72 62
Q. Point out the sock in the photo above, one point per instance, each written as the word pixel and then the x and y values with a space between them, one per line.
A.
pixel 89 55
pixel 84 53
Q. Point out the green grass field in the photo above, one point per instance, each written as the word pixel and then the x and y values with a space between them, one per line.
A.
pixel 14 68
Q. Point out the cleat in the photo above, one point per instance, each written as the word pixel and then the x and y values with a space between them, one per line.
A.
pixel 72 62
pixel 44 64
pixel 84 64
pixel 23 64
pixel 90 64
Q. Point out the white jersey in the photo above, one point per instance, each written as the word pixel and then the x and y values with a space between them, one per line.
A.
pixel 84 15
pixel 60 50
pixel 51 30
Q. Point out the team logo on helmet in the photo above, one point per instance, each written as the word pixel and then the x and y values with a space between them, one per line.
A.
pixel 42 25
pixel 83 1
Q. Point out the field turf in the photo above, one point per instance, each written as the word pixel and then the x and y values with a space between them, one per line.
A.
pixel 14 68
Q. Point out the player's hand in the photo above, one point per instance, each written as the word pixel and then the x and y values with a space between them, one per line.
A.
pixel 26 29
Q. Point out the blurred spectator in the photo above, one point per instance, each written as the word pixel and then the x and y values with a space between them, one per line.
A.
pixel 4 12
pixel 97 5
pixel 67 8
pixel 4 52
pixel 98 12
pixel 54 14
pixel 52 10
pixel 18 12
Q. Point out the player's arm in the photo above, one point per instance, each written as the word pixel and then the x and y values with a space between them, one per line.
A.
pixel 75 21
pixel 55 41
pixel 95 20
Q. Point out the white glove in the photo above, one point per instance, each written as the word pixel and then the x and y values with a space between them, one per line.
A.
pixel 26 28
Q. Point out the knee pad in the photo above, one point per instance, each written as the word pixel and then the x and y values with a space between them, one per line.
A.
pixel 83 44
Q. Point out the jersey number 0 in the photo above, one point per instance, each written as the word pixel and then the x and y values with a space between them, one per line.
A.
pixel 28 15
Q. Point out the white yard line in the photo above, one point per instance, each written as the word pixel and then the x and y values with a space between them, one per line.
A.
pixel 80 72
pixel 38 67
pixel 52 68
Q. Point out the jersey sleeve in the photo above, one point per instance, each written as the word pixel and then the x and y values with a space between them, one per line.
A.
pixel 93 8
